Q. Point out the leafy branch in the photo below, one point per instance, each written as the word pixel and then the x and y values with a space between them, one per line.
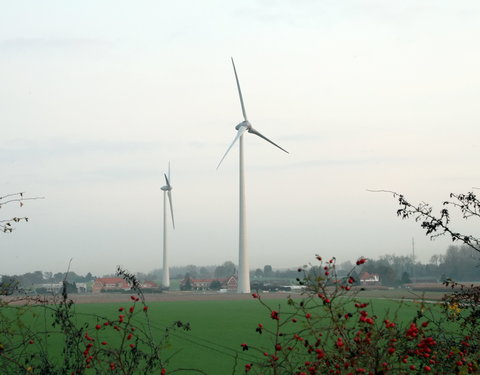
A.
pixel 7 225
pixel 439 225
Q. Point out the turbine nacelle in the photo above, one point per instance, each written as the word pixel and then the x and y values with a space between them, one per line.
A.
pixel 244 124
pixel 166 188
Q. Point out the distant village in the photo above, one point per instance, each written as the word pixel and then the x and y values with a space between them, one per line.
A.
pixel 226 284
pixel 388 271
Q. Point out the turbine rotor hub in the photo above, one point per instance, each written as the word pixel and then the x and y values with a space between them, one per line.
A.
pixel 245 124
pixel 166 188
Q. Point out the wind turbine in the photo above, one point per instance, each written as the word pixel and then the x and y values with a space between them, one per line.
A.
pixel 167 190
pixel 244 126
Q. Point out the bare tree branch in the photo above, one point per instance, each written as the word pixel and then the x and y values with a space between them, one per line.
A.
pixel 439 225
pixel 6 225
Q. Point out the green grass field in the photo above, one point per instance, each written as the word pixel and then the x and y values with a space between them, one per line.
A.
pixel 217 328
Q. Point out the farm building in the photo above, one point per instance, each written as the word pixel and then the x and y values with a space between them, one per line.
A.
pixel 369 279
pixel 104 284
pixel 148 285
pixel 229 283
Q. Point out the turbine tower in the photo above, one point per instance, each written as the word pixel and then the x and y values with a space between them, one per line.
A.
pixel 167 190
pixel 244 126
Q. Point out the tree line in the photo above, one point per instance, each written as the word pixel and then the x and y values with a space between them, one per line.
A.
pixel 459 263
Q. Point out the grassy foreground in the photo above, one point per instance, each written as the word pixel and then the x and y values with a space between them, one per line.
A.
pixel 217 328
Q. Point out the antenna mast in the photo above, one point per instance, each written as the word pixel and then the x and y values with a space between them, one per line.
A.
pixel 413 260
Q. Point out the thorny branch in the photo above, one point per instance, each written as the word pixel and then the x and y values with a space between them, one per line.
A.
pixel 6 225
pixel 436 226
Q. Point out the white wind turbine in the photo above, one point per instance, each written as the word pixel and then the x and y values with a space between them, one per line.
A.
pixel 167 190
pixel 244 126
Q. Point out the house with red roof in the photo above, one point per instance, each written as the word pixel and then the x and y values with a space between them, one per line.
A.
pixel 229 283
pixel 369 279
pixel 148 285
pixel 105 284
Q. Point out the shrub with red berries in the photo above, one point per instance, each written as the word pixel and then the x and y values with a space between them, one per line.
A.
pixel 122 343
pixel 332 331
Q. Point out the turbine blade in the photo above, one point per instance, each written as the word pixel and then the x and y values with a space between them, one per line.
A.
pixel 253 131
pixel 171 207
pixel 167 181
pixel 240 131
pixel 239 92
pixel 169 171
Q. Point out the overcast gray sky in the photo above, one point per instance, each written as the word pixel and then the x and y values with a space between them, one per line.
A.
pixel 97 97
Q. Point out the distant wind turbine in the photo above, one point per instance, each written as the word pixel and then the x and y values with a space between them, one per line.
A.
pixel 244 126
pixel 167 190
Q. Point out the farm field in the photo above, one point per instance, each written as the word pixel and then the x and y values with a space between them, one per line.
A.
pixel 219 324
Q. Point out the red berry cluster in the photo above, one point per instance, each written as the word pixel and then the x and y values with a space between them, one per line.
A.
pixel 274 315
pixel 323 334
pixel 103 352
